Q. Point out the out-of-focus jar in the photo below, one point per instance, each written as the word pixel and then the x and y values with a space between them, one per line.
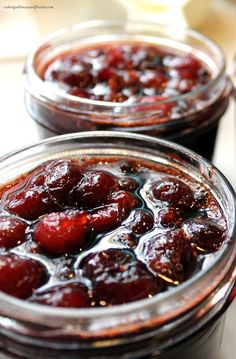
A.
pixel 183 322
pixel 194 126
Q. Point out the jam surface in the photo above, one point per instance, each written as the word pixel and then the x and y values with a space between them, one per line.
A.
pixel 104 231
pixel 126 72
pixel 153 89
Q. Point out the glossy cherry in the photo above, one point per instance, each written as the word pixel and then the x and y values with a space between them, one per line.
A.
pixel 93 189
pixel 169 256
pixel 125 201
pixel 140 221
pixel 12 231
pixel 174 191
pixel 169 217
pixel 20 276
pixel 29 203
pixel 62 232
pixel 71 295
pixel 205 233
pixel 105 218
pixel 119 278
pixel 60 177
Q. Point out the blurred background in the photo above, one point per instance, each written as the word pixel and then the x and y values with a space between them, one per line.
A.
pixel 23 23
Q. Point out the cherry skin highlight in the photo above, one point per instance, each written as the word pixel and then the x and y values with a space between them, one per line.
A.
pixel 12 231
pixel 72 295
pixel 62 232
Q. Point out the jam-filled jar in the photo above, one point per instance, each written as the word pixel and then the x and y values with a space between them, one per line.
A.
pixel 129 76
pixel 181 319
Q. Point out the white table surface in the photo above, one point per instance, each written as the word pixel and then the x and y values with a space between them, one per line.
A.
pixel 17 129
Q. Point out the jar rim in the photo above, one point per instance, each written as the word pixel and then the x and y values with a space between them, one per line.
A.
pixel 46 314
pixel 49 94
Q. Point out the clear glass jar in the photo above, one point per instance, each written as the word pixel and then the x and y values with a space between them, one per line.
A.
pixel 181 323
pixel 57 112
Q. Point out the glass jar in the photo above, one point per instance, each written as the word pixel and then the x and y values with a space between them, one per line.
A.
pixel 195 127
pixel 184 322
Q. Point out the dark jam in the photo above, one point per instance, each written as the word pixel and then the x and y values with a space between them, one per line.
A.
pixel 104 231
pixel 126 72
pixel 135 86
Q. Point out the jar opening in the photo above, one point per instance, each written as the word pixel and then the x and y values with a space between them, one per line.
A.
pixel 161 308
pixel 145 32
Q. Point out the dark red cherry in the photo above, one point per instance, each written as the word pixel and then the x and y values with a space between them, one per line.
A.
pixel 29 203
pixel 118 206
pixel 20 276
pixel 62 232
pixel 126 201
pixel 118 277
pixel 205 233
pixel 81 79
pixel 70 295
pixel 104 218
pixel 140 221
pixel 12 231
pixel 175 192
pixel 93 265
pixel 60 177
pixel 169 256
pixel 30 198
pixel 169 217
pixel 93 189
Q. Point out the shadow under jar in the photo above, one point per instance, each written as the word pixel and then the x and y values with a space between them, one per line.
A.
pixel 181 322
pixel 129 76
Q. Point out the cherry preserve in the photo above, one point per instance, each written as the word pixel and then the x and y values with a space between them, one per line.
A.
pixel 113 245
pixel 129 73
pixel 134 77
pixel 104 232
